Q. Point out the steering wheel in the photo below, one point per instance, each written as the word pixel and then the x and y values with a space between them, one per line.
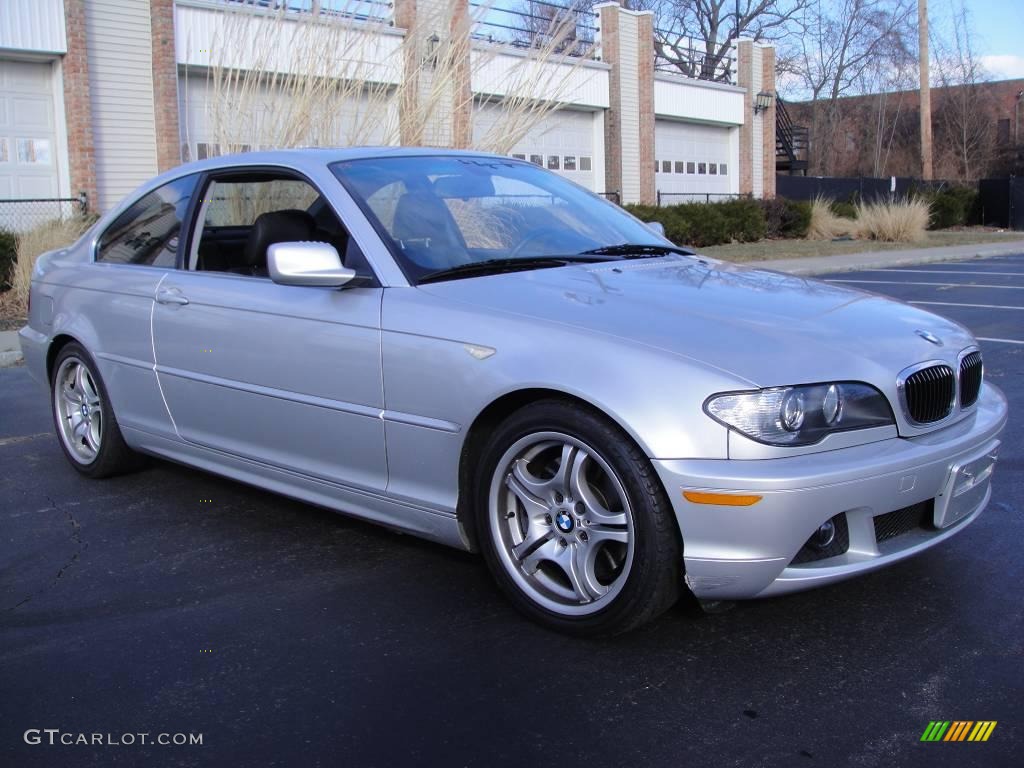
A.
pixel 533 236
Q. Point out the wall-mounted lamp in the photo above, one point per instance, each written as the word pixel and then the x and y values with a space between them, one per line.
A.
pixel 763 101
pixel 432 44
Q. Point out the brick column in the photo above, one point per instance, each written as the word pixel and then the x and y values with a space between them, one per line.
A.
pixel 744 79
pixel 755 65
pixel 627 44
pixel 768 122
pixel 448 121
pixel 77 104
pixel 165 85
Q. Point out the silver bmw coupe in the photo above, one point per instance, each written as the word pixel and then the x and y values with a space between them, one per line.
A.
pixel 474 350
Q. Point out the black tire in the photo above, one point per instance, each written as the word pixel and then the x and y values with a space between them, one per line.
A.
pixel 114 456
pixel 653 582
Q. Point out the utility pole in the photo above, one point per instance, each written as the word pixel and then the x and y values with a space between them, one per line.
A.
pixel 926 96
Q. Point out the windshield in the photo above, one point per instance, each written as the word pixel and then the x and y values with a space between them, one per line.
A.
pixel 442 212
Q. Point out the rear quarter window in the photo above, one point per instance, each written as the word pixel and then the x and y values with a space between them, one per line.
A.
pixel 149 232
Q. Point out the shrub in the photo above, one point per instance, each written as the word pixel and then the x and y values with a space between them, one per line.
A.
pixel 786 218
pixel 953 207
pixel 8 257
pixel 825 224
pixel 897 221
pixel 37 241
pixel 704 224
pixel 843 209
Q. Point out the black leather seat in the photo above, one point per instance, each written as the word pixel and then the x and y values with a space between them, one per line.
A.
pixel 427 231
pixel 275 227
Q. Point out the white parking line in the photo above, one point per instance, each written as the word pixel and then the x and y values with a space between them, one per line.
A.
pixel 938 285
pixel 956 304
pixel 1001 341
pixel 946 272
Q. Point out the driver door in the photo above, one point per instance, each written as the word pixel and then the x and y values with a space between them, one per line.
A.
pixel 287 376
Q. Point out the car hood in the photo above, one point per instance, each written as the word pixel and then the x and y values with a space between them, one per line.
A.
pixel 767 328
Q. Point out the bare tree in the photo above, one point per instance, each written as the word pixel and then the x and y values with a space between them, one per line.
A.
pixel 846 45
pixel 965 115
pixel 696 37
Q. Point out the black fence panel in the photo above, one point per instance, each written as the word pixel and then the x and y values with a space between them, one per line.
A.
pixel 995 202
pixel 864 188
pixel 1017 203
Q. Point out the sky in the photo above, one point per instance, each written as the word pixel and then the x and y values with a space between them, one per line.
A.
pixel 998 33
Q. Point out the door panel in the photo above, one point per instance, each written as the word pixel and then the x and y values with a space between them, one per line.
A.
pixel 286 375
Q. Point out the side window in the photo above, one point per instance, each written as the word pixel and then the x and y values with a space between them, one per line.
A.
pixel 242 215
pixel 149 232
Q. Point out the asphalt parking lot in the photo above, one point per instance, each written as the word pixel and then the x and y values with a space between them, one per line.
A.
pixel 173 601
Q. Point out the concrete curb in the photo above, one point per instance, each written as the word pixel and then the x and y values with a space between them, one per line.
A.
pixel 10 349
pixel 848 262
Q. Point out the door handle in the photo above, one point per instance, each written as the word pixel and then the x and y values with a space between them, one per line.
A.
pixel 170 296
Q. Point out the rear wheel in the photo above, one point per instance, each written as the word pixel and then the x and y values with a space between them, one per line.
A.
pixel 83 417
pixel 574 524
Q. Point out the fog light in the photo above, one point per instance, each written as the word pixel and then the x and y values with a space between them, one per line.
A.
pixel 824 536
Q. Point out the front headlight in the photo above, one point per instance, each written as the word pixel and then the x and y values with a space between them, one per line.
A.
pixel 800 415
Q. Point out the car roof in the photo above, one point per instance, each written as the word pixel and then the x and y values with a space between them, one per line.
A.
pixel 305 156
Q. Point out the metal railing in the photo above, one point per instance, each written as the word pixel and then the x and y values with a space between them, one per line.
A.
pixel 666 198
pixel 359 10
pixel 568 28
pixel 679 54
pixel 21 215
pixel 613 196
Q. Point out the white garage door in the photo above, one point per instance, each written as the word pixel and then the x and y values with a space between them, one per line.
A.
pixel 693 158
pixel 361 122
pixel 563 141
pixel 28 140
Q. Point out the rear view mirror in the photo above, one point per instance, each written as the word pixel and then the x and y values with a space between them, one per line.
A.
pixel 304 263
pixel 656 227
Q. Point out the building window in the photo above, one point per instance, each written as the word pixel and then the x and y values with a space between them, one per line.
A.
pixel 518 157
pixel 537 159
pixel 569 163
pixel 4 152
pixel 680 166
pixel 702 168
pixel 713 169
pixel 666 166
pixel 721 170
pixel 1003 131
pixel 585 163
pixel 34 151
pixel 553 161
pixel 691 168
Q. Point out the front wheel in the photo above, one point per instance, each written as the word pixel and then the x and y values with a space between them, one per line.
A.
pixel 574 524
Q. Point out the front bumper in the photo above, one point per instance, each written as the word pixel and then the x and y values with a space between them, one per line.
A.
pixel 734 552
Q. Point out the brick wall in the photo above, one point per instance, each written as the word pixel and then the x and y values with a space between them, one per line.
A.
pixel 645 74
pixel 744 78
pixel 165 85
pixel 77 105
pixel 768 122
pixel 609 23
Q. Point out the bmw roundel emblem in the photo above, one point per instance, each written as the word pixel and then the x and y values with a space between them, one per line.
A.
pixel 564 522
pixel 929 337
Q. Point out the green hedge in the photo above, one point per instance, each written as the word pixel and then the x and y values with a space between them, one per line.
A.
pixel 743 220
pixel 8 257
pixel 954 207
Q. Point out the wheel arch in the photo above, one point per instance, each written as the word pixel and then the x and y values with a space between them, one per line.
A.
pixel 58 343
pixel 486 420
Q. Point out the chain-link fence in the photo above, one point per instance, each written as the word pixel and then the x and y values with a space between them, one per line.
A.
pixel 23 215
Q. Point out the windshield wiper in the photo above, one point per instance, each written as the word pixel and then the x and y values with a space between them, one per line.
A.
pixel 637 250
pixel 497 266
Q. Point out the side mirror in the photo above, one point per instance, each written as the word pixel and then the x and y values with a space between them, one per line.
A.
pixel 307 264
pixel 656 227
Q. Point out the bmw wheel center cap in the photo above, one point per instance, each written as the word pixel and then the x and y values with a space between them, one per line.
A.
pixel 564 522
